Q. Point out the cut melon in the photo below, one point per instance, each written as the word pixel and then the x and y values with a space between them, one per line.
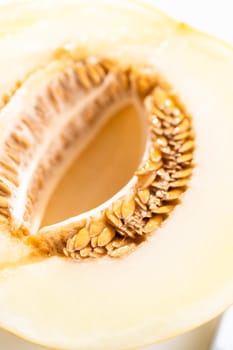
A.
pixel 59 284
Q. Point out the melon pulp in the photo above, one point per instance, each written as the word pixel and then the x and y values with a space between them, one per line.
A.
pixel 183 275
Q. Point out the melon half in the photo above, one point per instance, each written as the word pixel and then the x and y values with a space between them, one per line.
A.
pixel 178 276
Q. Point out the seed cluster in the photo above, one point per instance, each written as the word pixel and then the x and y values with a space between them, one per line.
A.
pixel 160 180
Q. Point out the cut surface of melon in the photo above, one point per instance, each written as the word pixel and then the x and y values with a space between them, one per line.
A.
pixel 182 276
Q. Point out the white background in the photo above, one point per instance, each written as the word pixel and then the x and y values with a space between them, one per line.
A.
pixel 213 16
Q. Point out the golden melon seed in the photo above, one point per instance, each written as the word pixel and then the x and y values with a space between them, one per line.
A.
pixel 81 239
pixel 146 179
pixel 173 194
pixel 144 195
pixel 179 183
pixel 105 236
pixel 122 251
pixel 187 146
pixel 116 207
pixel 96 227
pixel 165 209
pixel 182 173
pixel 112 219
pixel 128 208
pixel 185 158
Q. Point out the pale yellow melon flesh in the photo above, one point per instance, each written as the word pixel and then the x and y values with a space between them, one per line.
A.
pixel 183 275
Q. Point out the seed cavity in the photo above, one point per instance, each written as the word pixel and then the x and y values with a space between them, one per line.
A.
pixel 159 182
